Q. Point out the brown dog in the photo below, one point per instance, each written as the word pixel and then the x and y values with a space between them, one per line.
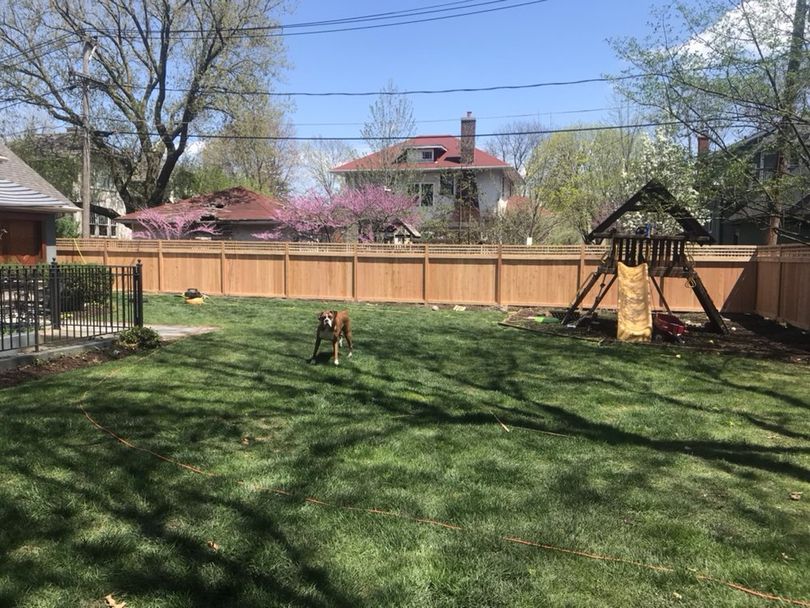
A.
pixel 333 325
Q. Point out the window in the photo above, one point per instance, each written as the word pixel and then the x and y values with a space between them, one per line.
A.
pixel 101 225
pixel 424 192
pixel 447 185
pixel 420 155
pixel 767 165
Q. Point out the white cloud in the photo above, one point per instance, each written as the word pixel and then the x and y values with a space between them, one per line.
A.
pixel 766 24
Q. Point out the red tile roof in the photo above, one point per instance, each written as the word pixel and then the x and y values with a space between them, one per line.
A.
pixel 449 158
pixel 233 205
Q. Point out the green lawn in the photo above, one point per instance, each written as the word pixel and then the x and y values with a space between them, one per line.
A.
pixel 685 462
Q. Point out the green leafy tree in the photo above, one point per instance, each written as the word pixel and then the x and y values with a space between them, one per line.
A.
pixel 59 169
pixel 263 165
pixel 575 174
pixel 728 72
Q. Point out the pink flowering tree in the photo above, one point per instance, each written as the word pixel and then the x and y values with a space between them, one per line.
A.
pixel 310 217
pixel 374 208
pixel 318 217
pixel 174 226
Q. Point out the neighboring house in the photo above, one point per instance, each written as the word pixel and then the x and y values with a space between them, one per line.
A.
pixel 29 206
pixel 747 223
pixel 401 233
pixel 236 214
pixel 445 172
pixel 67 148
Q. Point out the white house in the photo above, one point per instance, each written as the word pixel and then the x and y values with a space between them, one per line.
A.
pixel 444 171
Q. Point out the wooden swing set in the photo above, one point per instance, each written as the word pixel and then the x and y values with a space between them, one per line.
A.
pixel 666 256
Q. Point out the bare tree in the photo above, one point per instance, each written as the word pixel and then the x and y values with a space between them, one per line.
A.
pixel 390 122
pixel 515 145
pixel 159 68
pixel 320 157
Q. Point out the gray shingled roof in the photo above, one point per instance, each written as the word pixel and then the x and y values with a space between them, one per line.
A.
pixel 15 197
pixel 13 169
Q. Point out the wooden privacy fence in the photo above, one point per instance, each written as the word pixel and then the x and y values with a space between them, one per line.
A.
pixel 783 284
pixel 456 274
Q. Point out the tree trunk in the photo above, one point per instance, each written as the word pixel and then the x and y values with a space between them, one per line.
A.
pixel 788 108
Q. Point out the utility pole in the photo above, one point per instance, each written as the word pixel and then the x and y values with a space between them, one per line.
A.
pixel 88 49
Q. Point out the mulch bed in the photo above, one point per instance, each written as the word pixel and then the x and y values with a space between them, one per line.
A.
pixel 45 367
pixel 749 334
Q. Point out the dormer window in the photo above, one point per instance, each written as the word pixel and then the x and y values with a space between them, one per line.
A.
pixel 424 154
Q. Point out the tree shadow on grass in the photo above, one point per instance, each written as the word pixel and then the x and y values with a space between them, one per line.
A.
pixel 375 398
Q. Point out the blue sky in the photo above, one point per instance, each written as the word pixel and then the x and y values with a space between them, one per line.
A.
pixel 550 41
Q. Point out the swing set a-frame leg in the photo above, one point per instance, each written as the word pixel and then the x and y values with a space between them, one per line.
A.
pixel 583 293
pixel 715 320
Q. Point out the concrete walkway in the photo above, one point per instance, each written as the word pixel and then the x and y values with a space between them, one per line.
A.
pixel 168 333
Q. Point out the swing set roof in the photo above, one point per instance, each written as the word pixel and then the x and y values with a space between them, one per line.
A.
pixel 653 195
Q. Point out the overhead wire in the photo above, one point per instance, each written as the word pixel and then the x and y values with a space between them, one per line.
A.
pixel 278 30
pixel 582 129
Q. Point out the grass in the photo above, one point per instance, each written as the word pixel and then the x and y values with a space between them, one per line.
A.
pixel 687 462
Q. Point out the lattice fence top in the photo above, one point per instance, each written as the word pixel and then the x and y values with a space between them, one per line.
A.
pixel 724 252
pixel 783 252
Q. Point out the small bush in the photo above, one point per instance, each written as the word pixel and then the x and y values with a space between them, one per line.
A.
pixel 80 285
pixel 138 338
pixel 67 227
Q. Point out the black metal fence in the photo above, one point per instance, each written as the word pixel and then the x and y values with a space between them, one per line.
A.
pixel 54 303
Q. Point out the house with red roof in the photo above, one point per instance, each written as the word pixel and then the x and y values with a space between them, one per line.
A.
pixel 445 172
pixel 234 214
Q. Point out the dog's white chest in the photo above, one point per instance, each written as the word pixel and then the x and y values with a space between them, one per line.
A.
pixel 326 333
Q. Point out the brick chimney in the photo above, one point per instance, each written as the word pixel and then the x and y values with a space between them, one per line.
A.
pixel 467 139
pixel 702 145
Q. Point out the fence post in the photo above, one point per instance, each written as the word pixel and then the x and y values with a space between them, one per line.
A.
pixel 425 275
pixel 54 288
pixel 160 266
pixel 137 286
pixel 286 270
pixel 499 276
pixel 222 267
pixel 36 307
pixel 354 274
pixel 581 267
pixel 779 284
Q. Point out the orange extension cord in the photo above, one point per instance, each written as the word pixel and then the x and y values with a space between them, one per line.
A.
pixel 442 524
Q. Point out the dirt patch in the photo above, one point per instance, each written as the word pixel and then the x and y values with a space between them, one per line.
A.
pixel 749 334
pixel 46 367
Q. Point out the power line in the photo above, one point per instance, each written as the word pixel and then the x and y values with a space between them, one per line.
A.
pixel 503 87
pixel 412 12
pixel 397 139
pixel 425 121
pixel 26 53
pixel 455 118
pixel 277 31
